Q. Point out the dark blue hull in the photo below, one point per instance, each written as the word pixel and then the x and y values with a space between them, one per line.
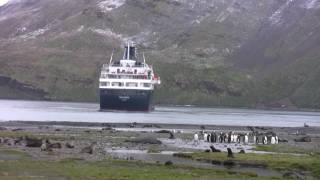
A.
pixel 125 99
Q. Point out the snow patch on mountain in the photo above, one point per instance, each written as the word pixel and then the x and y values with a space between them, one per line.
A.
pixel 222 16
pixel 109 5
pixel 34 34
pixel 312 4
pixel 80 29
pixel 15 2
pixel 140 38
pixel 275 18
pixel 3 2
pixel 107 33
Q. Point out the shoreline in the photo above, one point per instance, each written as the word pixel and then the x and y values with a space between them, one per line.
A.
pixel 186 106
pixel 309 129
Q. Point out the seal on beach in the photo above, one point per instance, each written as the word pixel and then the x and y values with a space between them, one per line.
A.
pixel 230 153
pixel 70 145
pixel 89 149
pixel 213 149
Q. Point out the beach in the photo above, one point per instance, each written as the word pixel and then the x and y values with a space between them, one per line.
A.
pixel 157 144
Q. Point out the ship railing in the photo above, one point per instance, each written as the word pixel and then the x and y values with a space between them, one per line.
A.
pixel 141 77
pixel 125 73
pixel 134 66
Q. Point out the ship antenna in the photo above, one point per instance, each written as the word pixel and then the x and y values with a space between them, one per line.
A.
pixel 111 57
pixel 128 51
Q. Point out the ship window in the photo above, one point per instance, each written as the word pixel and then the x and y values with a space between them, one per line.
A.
pixel 117 84
pixel 103 84
pixel 112 76
pixel 146 84
pixel 131 84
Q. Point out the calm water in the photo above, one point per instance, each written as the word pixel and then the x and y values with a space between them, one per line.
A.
pixel 88 112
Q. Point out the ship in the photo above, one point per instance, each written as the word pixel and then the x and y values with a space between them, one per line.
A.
pixel 127 84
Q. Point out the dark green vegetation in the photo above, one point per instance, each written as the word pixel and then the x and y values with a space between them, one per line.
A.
pixel 22 167
pixel 287 148
pixel 281 162
pixel 215 52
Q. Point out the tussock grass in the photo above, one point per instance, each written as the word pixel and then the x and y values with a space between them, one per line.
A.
pixel 112 169
pixel 286 148
pixel 303 162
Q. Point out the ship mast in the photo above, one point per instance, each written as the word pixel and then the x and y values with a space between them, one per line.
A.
pixel 111 58
pixel 144 60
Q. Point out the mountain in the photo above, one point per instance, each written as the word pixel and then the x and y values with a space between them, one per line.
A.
pixel 211 52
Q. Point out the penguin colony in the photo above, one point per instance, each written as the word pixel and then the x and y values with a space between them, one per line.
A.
pixel 233 137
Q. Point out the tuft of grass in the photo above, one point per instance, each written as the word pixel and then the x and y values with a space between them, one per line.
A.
pixel 154 149
pixel 12 154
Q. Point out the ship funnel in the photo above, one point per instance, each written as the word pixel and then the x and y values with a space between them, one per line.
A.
pixel 130 51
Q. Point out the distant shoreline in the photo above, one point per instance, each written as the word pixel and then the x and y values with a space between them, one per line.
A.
pixel 159 126
pixel 187 105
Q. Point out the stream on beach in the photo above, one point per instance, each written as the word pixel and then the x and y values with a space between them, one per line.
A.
pixel 17 110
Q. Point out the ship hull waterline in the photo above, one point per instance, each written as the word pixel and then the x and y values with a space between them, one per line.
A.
pixel 125 99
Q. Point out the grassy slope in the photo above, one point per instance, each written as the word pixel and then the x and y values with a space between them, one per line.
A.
pixel 297 82
pixel 202 86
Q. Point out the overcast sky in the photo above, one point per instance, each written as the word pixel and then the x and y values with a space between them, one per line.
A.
pixel 2 2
